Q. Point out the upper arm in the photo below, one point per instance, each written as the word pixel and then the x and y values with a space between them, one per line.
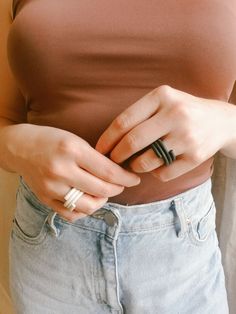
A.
pixel 12 103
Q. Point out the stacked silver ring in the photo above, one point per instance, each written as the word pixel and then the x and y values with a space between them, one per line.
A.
pixel 71 198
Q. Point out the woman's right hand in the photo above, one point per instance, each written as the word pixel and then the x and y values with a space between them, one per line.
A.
pixel 52 160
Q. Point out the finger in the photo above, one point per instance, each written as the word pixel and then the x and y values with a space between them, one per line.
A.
pixel 140 137
pixel 65 213
pixel 85 203
pixel 138 112
pixel 149 161
pixel 92 185
pixel 177 168
pixel 104 168
pixel 81 180
pixel 89 204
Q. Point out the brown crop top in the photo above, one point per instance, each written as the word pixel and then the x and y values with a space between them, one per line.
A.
pixel 78 64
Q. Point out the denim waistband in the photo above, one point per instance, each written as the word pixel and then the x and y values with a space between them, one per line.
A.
pixel 131 218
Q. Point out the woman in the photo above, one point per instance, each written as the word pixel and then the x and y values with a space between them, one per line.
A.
pixel 111 114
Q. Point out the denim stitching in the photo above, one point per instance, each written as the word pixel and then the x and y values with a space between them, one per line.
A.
pixel 191 232
pixel 30 240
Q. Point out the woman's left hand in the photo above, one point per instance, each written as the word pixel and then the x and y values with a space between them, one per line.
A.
pixel 195 128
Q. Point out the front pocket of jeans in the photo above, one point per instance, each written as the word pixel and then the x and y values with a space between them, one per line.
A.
pixel 29 223
pixel 21 234
pixel 201 228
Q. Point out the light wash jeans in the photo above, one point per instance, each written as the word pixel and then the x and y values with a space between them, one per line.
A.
pixel 156 258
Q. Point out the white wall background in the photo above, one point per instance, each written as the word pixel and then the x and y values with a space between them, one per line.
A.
pixel 8 184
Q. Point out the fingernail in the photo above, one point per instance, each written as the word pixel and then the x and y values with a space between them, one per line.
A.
pixel 137 181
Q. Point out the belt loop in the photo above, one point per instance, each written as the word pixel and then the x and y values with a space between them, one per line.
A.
pixel 117 223
pixel 183 220
pixel 50 221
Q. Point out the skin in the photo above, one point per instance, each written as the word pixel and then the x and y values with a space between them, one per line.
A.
pixel 49 155
pixel 195 128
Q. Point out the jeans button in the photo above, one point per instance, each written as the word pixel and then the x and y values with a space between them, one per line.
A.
pixel 99 213
pixel 110 218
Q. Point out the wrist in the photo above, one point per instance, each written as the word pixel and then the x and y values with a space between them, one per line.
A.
pixel 14 144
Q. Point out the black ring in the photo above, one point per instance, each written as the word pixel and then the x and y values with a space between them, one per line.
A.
pixel 161 144
pixel 161 151
pixel 173 157
pixel 156 150
pixel 163 154
pixel 170 153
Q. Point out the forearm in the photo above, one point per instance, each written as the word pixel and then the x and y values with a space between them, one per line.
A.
pixel 229 149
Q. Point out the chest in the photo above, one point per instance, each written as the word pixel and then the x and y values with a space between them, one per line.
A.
pixel 156 38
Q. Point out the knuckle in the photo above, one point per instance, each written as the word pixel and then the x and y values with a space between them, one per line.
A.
pixel 64 145
pixel 110 174
pixel 132 142
pixel 143 164
pixel 196 156
pixel 163 91
pixel 52 169
pixel 104 191
pixel 180 110
pixel 191 140
pixel 122 122
pixel 67 146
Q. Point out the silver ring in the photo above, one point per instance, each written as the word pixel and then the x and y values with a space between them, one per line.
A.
pixel 71 198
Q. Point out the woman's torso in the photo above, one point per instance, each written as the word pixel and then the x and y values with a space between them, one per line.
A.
pixel 80 63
